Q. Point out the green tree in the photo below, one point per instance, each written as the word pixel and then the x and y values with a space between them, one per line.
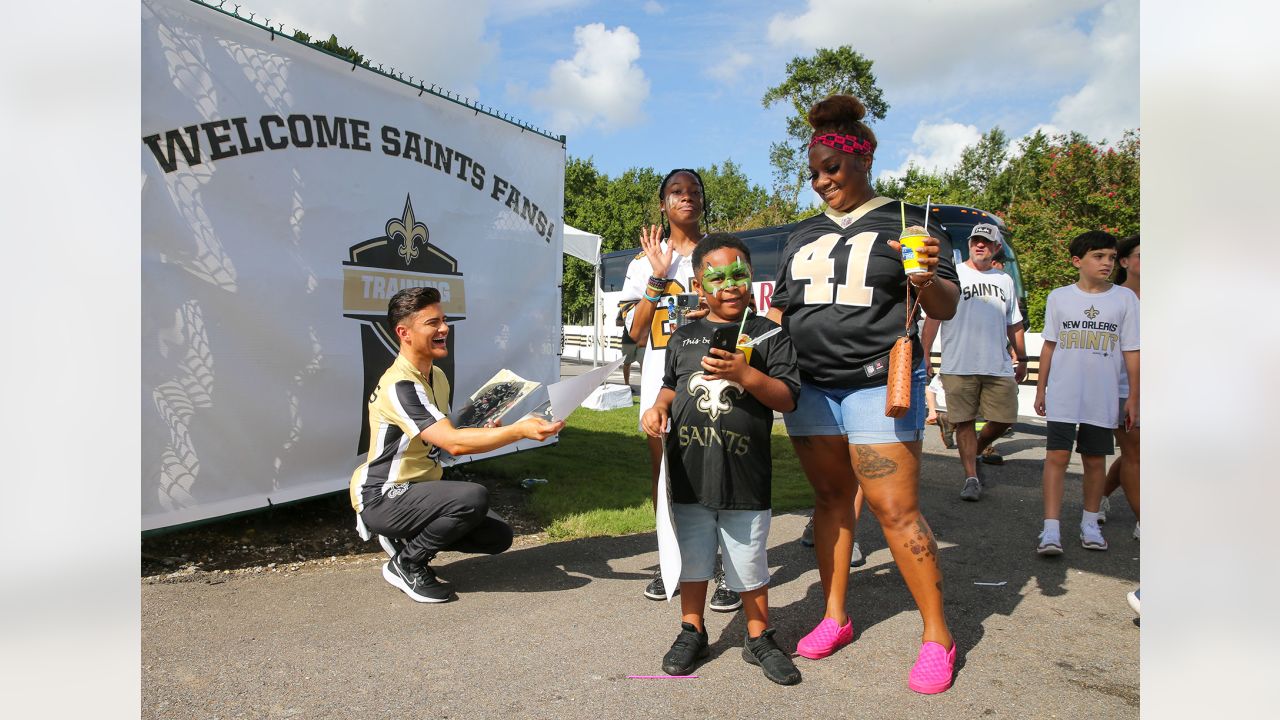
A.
pixel 974 179
pixel 331 45
pixel 1067 185
pixel 615 209
pixel 810 79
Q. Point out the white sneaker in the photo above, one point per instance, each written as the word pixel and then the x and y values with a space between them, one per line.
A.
pixel 1137 531
pixel 1091 538
pixel 1102 510
pixel 1050 543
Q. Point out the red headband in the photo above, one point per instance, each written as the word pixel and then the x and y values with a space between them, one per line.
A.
pixel 844 143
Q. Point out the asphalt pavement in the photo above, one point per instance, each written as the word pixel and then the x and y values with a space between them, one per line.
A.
pixel 554 630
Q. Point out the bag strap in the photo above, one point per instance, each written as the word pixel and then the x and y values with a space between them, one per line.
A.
pixel 911 310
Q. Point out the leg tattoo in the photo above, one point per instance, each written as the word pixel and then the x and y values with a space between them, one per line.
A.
pixel 922 544
pixel 873 465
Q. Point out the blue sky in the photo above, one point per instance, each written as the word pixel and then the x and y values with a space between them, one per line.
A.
pixel 664 84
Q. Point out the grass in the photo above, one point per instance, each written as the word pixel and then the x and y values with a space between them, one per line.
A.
pixel 598 476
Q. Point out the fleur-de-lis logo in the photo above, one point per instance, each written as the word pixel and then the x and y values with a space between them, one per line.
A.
pixel 408 231
pixel 1091 313
pixel 715 397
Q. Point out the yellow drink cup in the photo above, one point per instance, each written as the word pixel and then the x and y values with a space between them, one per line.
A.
pixel 912 247
pixel 746 351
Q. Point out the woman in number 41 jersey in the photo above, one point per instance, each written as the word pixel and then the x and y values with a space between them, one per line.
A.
pixel 841 294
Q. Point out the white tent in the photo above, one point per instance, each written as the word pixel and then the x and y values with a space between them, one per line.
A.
pixel 586 246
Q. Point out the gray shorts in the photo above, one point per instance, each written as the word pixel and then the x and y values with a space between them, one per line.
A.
pixel 741 535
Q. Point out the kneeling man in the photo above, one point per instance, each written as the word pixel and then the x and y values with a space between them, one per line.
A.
pixel 397 492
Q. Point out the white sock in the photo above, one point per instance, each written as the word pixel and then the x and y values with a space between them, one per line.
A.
pixel 1089 519
pixel 1051 527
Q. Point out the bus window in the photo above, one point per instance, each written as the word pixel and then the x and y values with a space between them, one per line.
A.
pixel 613 271
pixel 764 257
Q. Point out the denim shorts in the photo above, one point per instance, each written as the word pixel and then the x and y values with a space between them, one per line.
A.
pixel 857 413
pixel 741 536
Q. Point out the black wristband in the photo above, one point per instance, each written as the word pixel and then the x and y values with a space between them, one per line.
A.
pixel 1022 358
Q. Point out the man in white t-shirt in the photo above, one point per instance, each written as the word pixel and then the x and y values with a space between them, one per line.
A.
pixel 977 372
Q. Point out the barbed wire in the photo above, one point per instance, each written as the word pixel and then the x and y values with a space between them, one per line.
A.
pixel 434 89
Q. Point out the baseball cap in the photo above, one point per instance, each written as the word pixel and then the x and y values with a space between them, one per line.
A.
pixel 988 232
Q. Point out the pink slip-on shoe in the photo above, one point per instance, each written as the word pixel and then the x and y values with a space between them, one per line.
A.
pixel 825 639
pixel 933 669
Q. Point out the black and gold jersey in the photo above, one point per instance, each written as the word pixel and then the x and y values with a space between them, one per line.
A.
pixel 843 290
pixel 403 404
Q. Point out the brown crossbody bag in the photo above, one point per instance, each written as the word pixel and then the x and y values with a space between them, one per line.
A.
pixel 897 399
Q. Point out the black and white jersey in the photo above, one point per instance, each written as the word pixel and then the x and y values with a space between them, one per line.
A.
pixel 844 290
pixel 719 449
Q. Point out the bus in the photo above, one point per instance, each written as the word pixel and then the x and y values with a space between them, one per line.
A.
pixel 766 246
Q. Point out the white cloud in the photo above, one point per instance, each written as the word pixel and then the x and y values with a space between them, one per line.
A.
pixel 653 8
pixel 945 48
pixel 936 147
pixel 505 10
pixel 1006 48
pixel 1107 105
pixel 601 85
pixel 730 67
pixel 422 38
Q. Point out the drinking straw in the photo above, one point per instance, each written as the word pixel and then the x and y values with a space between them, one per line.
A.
pixel 744 317
pixel 927 199
pixel 761 338
pixel 902 208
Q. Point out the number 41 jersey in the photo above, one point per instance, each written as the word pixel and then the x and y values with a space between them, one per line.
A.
pixel 844 290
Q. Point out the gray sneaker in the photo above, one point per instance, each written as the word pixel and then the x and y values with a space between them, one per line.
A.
pixel 857 559
pixel 972 489
pixel 1103 507
pixel 806 537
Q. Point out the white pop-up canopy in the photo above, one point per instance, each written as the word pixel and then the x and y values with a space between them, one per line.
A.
pixel 582 244
pixel 586 246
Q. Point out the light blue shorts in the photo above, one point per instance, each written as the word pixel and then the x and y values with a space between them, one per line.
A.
pixel 857 413
pixel 741 536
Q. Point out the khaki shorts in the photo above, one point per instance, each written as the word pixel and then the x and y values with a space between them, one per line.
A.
pixel 993 398
pixel 630 351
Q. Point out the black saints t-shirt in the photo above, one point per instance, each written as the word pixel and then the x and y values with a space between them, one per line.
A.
pixel 844 290
pixel 718 450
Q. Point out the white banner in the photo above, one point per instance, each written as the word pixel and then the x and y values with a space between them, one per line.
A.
pixel 285 197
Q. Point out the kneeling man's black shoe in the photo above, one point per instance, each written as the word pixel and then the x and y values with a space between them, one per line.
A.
pixel 689 647
pixel 777 665
pixel 418 581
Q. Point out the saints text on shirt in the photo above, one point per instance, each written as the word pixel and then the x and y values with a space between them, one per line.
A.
pixel 1088 335
pixel 982 290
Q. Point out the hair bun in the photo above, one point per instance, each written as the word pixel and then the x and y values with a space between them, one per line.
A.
pixel 837 110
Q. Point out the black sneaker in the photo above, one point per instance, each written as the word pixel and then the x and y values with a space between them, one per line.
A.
pixel 655 590
pixel 417 581
pixel 777 665
pixel 392 546
pixel 724 599
pixel 690 647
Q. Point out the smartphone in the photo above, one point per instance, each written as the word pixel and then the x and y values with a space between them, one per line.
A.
pixel 687 301
pixel 725 338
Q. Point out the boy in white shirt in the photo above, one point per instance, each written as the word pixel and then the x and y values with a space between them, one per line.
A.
pixel 1091 337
